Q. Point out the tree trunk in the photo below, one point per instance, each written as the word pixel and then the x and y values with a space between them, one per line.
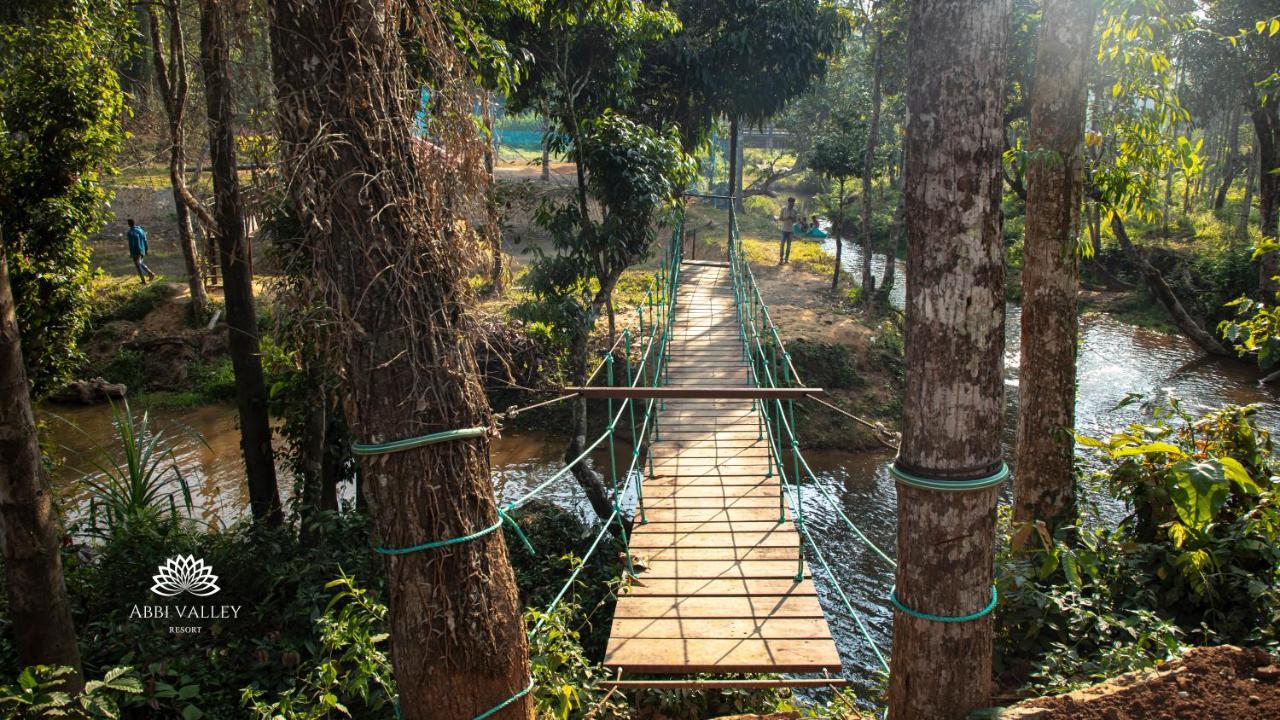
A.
pixel 171 81
pixel 1164 294
pixel 237 278
pixel 734 173
pixel 885 291
pixel 311 458
pixel 546 148
pixel 493 229
pixel 1231 168
pixel 402 338
pixel 868 276
pixel 1246 208
pixel 954 402
pixel 1266 125
pixel 39 611
pixel 836 229
pixel 1044 485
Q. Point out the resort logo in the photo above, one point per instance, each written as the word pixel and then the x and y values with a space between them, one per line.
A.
pixel 187 574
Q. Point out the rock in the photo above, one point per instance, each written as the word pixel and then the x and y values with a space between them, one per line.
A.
pixel 213 343
pixel 1268 673
pixel 90 392
pixel 166 361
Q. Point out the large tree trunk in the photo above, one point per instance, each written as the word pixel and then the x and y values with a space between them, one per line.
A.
pixel 868 276
pixel 1231 168
pixel 1164 294
pixel 1266 125
pixel 1044 484
pixel 171 80
pixel 734 172
pixel 954 403
pixel 39 611
pixel 379 220
pixel 237 278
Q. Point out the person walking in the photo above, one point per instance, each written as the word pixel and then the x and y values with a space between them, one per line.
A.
pixel 786 221
pixel 138 250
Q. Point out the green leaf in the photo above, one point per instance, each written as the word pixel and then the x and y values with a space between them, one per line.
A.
pixel 191 712
pixel 1198 491
pixel 1236 473
pixel 1148 448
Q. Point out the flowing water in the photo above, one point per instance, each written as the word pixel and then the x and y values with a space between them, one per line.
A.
pixel 1115 360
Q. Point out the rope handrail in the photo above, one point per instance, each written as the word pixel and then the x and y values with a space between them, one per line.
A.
pixel 791 491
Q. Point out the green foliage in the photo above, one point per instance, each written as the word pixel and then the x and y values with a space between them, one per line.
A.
pixel 38 695
pixel 762 205
pixel 125 300
pixel 60 113
pixel 1256 327
pixel 351 674
pixel 137 485
pixel 1197 557
pixel 825 365
pixel 565 678
pixel 837 154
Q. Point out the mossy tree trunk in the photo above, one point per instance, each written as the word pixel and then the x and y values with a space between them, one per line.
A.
pixel 954 403
pixel 39 611
pixel 1044 484
pixel 379 221
pixel 237 277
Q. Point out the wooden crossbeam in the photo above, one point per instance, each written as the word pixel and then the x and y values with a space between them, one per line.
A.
pixel 694 392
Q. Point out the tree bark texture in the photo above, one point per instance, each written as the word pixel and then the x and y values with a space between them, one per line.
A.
pixel 39 611
pixel 1231 167
pixel 954 401
pixel 237 277
pixel 1044 483
pixel 171 81
pixel 868 163
pixel 1246 207
pixel 1266 125
pixel 381 223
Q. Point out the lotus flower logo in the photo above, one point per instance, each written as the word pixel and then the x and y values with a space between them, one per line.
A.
pixel 184 574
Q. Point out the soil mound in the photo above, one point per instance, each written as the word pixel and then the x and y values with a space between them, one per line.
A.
pixel 1224 682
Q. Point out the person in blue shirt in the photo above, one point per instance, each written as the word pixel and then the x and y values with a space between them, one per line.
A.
pixel 138 250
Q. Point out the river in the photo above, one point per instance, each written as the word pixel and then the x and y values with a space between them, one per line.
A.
pixel 1115 360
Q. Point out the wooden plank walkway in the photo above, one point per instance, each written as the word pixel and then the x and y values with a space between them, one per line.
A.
pixel 718 592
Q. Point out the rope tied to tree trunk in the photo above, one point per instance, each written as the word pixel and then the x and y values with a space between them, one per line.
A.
pixel 924 483
pixel 504 515
pixel 893 597
pixel 416 442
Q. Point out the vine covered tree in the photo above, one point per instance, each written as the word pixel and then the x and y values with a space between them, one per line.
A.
pixel 400 339
pixel 1044 484
pixel 170 72
pixel 954 401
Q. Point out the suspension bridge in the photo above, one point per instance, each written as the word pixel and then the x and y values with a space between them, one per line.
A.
pixel 719 561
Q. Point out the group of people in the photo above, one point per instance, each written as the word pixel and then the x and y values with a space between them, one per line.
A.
pixel 792 223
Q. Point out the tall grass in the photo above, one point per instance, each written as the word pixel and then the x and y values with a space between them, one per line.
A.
pixel 141 484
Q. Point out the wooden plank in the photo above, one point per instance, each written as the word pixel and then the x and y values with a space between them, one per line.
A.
pixel 690 608
pixel 721 569
pixel 710 514
pixel 723 684
pixel 723 656
pixel 719 587
pixel 716 526
pixel 647 556
pixel 711 502
pixel 712 392
pixel 725 492
pixel 721 628
pixel 779 538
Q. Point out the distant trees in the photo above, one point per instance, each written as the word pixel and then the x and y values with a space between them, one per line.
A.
pixel 954 403
pixel 838 154
pixel 1044 487
pixel 381 222
pixel 170 72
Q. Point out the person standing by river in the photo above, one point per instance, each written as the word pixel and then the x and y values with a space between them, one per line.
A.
pixel 138 250
pixel 786 220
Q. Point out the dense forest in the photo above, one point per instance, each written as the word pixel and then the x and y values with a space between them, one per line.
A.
pixel 353 354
